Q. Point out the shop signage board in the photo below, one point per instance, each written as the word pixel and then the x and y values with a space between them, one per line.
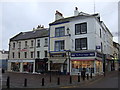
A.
pixel 90 54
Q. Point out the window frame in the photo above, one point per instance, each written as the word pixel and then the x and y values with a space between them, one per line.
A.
pixel 60 46
pixel 79 31
pixel 60 31
pixel 80 44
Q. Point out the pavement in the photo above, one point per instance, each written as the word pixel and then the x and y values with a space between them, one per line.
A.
pixel 35 80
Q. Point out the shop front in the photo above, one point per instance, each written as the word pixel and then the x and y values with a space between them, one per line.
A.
pixel 87 61
pixel 21 65
pixel 57 63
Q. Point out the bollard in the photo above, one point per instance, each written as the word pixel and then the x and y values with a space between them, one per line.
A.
pixel 42 81
pixel 25 82
pixel 88 76
pixel 91 75
pixel 58 81
pixel 8 82
pixel 78 77
pixel 50 77
pixel 70 79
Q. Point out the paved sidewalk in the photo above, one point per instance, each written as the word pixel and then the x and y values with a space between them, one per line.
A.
pixel 35 80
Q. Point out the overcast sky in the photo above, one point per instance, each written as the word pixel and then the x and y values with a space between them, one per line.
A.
pixel 23 16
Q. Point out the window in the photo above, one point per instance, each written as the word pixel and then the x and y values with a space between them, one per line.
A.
pixel 13 55
pixel 31 43
pixel 31 54
pixel 81 28
pixel 25 43
pixel 60 31
pixel 101 47
pixel 38 54
pixel 46 42
pixel 100 33
pixel 13 45
pixel 18 54
pixel 25 53
pixel 81 44
pixel 38 43
pixel 59 45
pixel 19 45
pixel 45 53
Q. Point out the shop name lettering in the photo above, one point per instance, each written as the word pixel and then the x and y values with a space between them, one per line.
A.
pixel 82 54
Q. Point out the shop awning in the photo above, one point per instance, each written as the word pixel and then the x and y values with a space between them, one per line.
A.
pixel 57 60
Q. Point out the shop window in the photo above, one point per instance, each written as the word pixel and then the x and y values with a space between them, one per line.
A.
pixel 15 66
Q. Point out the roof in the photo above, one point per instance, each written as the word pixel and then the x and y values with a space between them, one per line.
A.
pixel 39 33
pixel 69 18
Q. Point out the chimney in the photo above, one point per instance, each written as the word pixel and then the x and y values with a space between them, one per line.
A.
pixel 58 15
pixel 76 12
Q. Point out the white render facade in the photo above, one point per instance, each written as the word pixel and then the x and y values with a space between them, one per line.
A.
pixel 98 42
pixel 23 51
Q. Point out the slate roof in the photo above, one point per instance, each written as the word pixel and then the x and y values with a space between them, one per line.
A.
pixel 31 34
pixel 69 18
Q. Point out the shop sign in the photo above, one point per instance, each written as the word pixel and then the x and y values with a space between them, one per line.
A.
pixel 90 54
pixel 58 55
pixel 99 55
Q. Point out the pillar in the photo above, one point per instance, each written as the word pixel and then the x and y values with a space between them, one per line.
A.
pixel 94 67
pixel 9 66
pixel 21 66
pixel 34 67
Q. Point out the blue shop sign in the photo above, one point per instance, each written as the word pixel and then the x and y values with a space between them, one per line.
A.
pixel 90 54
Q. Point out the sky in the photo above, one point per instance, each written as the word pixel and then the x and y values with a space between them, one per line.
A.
pixel 23 16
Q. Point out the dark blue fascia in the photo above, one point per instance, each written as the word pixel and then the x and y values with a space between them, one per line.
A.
pixel 59 36
pixel 59 23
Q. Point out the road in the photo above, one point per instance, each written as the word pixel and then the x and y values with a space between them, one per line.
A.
pixel 109 81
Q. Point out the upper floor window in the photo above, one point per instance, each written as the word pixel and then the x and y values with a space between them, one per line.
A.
pixel 100 33
pixel 81 44
pixel 59 45
pixel 38 54
pixel 19 44
pixel 46 41
pixel 13 55
pixel 25 43
pixel 25 53
pixel 81 28
pixel 45 53
pixel 14 45
pixel 31 54
pixel 60 31
pixel 31 43
pixel 38 43
pixel 18 54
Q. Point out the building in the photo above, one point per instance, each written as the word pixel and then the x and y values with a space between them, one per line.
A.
pixel 116 55
pixel 3 59
pixel 79 42
pixel 26 50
